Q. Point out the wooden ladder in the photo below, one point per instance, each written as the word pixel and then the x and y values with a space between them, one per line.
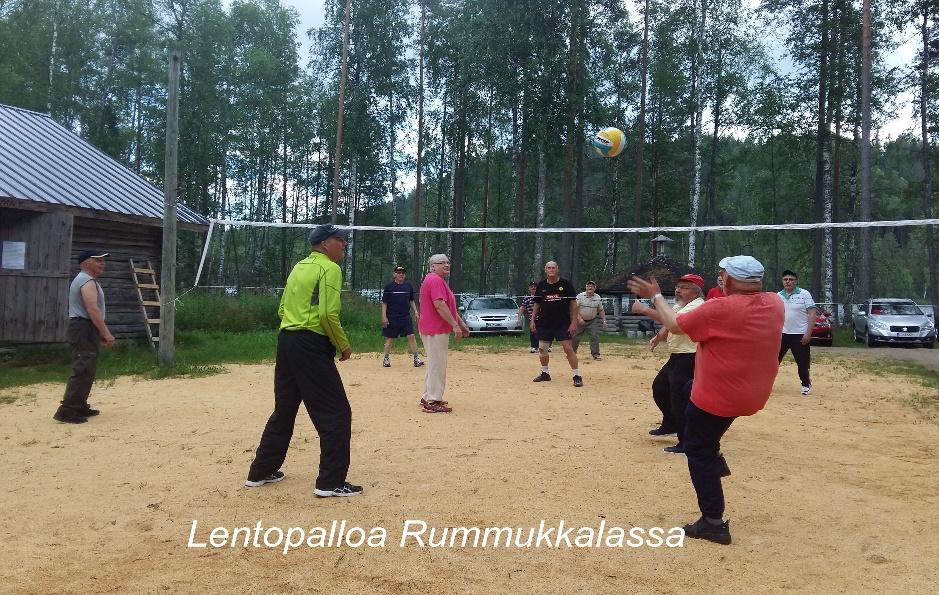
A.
pixel 150 303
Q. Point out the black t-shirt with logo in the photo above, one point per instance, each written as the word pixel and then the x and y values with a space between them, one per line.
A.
pixel 554 303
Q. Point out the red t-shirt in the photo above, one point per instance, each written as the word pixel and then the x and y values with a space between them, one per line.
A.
pixel 435 288
pixel 715 292
pixel 738 350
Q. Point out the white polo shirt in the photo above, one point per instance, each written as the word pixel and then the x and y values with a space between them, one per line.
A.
pixel 797 306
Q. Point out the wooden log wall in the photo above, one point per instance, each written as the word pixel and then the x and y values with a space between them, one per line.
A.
pixel 123 241
pixel 34 300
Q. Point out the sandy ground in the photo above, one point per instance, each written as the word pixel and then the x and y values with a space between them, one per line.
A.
pixel 836 492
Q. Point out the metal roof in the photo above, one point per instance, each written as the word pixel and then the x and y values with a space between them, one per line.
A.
pixel 42 161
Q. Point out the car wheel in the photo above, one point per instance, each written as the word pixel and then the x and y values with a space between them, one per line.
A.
pixel 868 340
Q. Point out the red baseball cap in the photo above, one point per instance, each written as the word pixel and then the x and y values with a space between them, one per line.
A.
pixel 692 278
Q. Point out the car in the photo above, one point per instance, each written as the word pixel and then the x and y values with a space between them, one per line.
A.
pixel 492 314
pixel 894 321
pixel 821 332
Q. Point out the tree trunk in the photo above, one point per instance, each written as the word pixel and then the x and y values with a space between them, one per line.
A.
pixel 933 281
pixel 821 153
pixel 538 257
pixel 521 169
pixel 697 66
pixel 864 244
pixel 337 160
pixel 416 246
pixel 564 257
pixel 486 187
pixel 640 137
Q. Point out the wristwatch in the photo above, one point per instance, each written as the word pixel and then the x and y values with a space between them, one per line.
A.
pixel 658 295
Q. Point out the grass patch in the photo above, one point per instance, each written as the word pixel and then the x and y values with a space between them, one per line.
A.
pixel 926 400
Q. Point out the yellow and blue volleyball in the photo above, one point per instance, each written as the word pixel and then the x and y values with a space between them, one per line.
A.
pixel 609 142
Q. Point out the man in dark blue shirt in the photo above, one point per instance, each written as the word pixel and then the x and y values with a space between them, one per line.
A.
pixel 397 303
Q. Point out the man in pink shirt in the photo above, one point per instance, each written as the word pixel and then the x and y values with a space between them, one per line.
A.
pixel 735 368
pixel 437 319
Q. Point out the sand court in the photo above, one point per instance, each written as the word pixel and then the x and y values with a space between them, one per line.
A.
pixel 832 492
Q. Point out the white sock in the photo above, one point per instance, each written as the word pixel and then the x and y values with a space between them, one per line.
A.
pixel 576 371
pixel 544 369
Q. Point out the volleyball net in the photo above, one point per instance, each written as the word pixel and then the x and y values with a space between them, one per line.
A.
pixel 257 256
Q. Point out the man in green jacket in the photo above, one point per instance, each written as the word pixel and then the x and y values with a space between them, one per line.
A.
pixel 305 370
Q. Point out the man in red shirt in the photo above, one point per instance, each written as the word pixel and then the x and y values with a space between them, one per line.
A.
pixel 735 368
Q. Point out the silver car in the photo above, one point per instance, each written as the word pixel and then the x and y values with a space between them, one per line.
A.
pixel 893 321
pixel 492 315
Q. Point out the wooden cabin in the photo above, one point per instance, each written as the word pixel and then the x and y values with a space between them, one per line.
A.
pixel 666 271
pixel 59 195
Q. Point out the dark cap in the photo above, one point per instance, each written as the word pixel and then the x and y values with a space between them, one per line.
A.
pixel 400 268
pixel 321 233
pixel 91 254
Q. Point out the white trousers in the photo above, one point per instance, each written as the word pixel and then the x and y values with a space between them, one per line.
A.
pixel 435 371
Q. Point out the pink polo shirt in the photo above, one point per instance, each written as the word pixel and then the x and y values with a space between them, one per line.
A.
pixel 433 288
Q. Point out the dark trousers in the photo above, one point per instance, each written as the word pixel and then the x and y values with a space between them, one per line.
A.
pixel 533 339
pixel 703 432
pixel 668 391
pixel 801 353
pixel 85 341
pixel 306 372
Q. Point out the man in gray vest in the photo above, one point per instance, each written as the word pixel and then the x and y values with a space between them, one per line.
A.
pixel 86 331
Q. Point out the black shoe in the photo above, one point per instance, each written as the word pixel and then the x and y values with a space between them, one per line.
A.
pixel 702 529
pixel 272 478
pixel 69 419
pixel 662 431
pixel 678 449
pixel 88 412
pixel 578 381
pixel 543 377
pixel 596 358
pixel 345 490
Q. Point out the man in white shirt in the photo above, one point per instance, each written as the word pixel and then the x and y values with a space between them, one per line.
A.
pixel 590 315
pixel 797 330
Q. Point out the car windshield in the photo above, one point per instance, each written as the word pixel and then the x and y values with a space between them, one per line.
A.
pixel 895 309
pixel 492 304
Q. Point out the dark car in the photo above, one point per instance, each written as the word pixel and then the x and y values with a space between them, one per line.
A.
pixel 821 333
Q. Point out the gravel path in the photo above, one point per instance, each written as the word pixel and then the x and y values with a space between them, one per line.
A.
pixel 928 358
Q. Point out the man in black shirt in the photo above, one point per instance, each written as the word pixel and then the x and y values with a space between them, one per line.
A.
pixel 554 318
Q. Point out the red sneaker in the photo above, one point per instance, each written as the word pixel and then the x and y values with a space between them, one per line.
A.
pixel 439 407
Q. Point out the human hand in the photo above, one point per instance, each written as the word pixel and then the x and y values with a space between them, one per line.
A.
pixel 532 327
pixel 807 338
pixel 384 321
pixel 643 288
pixel 638 308
pixel 108 339
pixel 654 342
pixel 572 329
pixel 346 354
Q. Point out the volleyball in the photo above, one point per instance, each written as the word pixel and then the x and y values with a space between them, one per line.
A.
pixel 609 142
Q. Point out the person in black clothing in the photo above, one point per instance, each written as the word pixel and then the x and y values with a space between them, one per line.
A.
pixel 397 303
pixel 527 307
pixel 554 318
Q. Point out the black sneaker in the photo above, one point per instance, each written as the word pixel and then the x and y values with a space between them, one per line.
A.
pixel 702 529
pixel 578 381
pixel 596 358
pixel 345 490
pixel 543 377
pixel 88 412
pixel 272 478
pixel 678 449
pixel 69 419
pixel 662 431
